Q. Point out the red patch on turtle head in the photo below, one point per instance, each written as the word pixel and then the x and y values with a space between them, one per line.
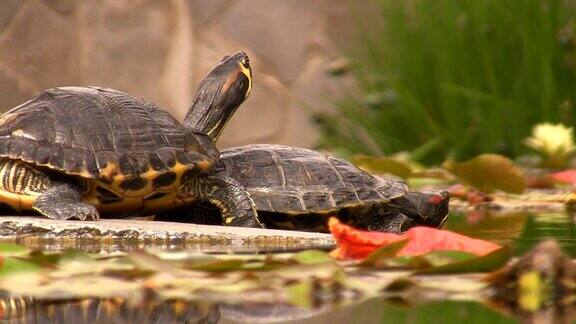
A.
pixel 436 199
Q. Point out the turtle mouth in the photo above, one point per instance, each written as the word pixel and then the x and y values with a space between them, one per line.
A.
pixel 441 213
pixel 441 202
pixel 439 199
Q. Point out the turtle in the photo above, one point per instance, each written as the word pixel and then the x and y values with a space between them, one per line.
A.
pixel 281 182
pixel 298 188
pixel 85 152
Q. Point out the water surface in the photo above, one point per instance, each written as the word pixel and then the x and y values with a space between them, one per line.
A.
pixel 519 230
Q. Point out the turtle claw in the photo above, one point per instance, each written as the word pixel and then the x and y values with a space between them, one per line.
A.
pixel 63 201
pixel 78 210
pixel 85 212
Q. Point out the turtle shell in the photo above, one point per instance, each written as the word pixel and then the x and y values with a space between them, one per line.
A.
pixel 104 134
pixel 293 180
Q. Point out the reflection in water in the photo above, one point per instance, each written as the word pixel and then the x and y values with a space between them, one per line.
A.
pixel 522 231
pixel 376 310
pixel 121 245
pixel 27 310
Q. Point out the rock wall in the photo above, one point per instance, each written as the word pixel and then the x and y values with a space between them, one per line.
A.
pixel 161 49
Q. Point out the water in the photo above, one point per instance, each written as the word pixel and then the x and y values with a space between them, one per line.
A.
pixel 372 311
pixel 519 230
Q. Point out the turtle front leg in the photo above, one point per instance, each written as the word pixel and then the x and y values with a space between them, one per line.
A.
pixel 62 200
pixel 228 195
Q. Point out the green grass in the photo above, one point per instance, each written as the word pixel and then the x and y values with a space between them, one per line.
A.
pixel 455 78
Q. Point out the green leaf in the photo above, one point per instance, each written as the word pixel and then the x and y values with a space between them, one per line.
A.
pixel 312 257
pixel 12 266
pixel 441 258
pixel 301 272
pixel 483 263
pixel 300 294
pixel 378 257
pixel 8 249
pixel 489 172
pixel 409 261
pixel 383 165
pixel 217 265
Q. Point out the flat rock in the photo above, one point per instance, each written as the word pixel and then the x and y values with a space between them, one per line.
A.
pixel 123 235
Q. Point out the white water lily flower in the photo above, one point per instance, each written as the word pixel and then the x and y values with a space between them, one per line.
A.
pixel 554 141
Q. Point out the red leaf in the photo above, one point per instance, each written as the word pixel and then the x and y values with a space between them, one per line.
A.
pixel 568 176
pixel 357 244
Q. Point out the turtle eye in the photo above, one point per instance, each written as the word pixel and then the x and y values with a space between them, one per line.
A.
pixel 245 62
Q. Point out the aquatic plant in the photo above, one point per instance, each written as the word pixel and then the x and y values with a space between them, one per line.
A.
pixel 456 78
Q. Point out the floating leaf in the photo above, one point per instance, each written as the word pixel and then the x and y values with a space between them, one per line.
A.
pixel 152 263
pixel 442 258
pixel 489 172
pixel 471 263
pixel 312 257
pixel 437 261
pixel 217 265
pixel 11 266
pixel 8 249
pixel 300 294
pixel 384 253
pixel 383 165
pixel 298 272
pixel 358 244
pixel 38 286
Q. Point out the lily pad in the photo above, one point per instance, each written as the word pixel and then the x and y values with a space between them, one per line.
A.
pixel 7 249
pixel 312 257
pixel 217 265
pixel 300 294
pixel 471 263
pixel 353 243
pixel 387 252
pixel 11 266
pixel 489 172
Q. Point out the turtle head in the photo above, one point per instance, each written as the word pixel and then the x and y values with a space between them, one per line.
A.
pixel 411 209
pixel 428 208
pixel 218 96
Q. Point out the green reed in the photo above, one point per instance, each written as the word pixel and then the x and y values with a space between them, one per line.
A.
pixel 455 78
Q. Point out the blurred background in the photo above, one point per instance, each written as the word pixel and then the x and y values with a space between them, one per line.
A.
pixel 436 79
pixel 433 80
pixel 161 49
